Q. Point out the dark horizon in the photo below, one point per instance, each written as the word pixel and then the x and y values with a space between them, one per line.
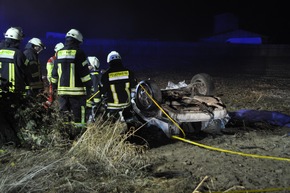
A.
pixel 161 20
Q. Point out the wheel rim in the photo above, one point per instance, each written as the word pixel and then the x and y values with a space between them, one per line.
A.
pixel 201 87
pixel 143 97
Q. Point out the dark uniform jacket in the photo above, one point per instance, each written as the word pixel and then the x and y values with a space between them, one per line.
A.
pixel 13 68
pixel 117 84
pixel 71 73
pixel 34 67
pixel 96 78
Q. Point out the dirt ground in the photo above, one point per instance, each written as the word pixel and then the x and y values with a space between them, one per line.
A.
pixel 247 156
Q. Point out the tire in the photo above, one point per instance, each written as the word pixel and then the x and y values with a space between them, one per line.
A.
pixel 202 84
pixel 143 101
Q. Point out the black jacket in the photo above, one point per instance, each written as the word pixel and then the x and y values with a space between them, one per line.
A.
pixel 14 67
pixel 71 72
pixel 117 84
pixel 96 79
pixel 34 67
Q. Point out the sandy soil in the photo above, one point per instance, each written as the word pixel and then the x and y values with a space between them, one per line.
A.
pixel 247 156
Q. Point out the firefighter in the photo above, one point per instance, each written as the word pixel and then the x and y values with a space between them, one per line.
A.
pixel 13 69
pixel 71 77
pixel 47 79
pixel 13 83
pixel 94 102
pixel 32 50
pixel 51 61
pixel 117 85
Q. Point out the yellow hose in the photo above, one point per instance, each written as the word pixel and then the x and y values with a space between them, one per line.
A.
pixel 176 124
pixel 223 150
pixel 210 147
pixel 229 151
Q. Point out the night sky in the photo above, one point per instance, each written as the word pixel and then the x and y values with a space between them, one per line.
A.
pixel 158 20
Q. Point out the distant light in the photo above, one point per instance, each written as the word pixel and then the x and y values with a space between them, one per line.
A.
pixel 254 40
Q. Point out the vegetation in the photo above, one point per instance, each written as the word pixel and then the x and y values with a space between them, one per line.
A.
pixel 103 159
pixel 47 161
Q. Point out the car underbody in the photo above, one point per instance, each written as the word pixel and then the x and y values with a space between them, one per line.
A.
pixel 182 108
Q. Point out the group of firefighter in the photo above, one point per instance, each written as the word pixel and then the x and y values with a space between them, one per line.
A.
pixel 73 79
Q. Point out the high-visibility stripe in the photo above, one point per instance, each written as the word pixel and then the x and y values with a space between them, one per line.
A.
pixel 118 75
pixel 66 54
pixel 114 93
pixel 59 72
pixel 49 68
pixel 117 106
pixel 72 78
pixel 83 114
pixel 11 77
pixel 63 90
pixel 53 80
pixel 85 63
pixel 76 90
pixel 95 73
pixel 97 100
pixel 89 103
pixel 86 78
pixel 7 54
pixel 72 88
pixel 127 88
pixel 74 93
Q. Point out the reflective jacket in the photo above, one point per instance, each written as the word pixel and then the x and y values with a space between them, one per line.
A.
pixel 49 67
pixel 13 68
pixel 117 85
pixel 71 73
pixel 34 67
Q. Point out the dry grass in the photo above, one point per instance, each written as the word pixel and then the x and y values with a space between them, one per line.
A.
pixel 96 162
pixel 102 160
pixel 103 143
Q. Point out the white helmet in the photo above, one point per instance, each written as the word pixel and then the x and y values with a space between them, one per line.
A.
pixel 75 34
pixel 37 42
pixel 58 46
pixel 94 61
pixel 14 33
pixel 113 55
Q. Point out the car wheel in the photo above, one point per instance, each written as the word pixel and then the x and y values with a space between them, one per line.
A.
pixel 146 91
pixel 202 84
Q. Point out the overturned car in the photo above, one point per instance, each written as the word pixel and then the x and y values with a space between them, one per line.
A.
pixel 180 109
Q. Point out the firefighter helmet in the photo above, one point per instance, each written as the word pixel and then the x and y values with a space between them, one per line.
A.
pixel 113 55
pixel 75 34
pixel 14 33
pixel 37 42
pixel 58 46
pixel 94 61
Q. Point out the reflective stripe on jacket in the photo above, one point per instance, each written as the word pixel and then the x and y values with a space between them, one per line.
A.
pixel 117 83
pixel 13 69
pixel 49 67
pixel 71 72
